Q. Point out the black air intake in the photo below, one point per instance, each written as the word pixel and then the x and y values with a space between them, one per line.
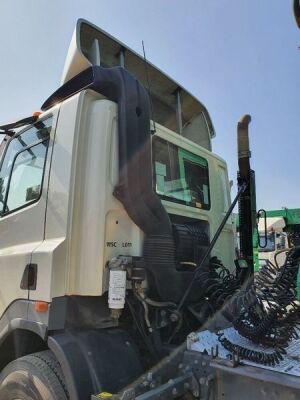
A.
pixel 134 189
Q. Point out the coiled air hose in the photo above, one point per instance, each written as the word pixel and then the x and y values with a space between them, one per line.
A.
pixel 268 312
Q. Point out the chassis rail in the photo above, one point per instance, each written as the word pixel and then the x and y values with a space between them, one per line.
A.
pixel 204 377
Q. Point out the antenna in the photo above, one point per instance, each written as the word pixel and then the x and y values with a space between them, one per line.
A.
pixel 149 88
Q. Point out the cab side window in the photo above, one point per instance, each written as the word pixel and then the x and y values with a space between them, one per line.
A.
pixel 22 168
pixel 179 175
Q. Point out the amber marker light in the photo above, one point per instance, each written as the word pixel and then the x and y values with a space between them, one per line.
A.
pixel 41 306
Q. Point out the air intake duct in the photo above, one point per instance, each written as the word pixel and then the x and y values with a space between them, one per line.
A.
pixel 134 188
pixel 171 262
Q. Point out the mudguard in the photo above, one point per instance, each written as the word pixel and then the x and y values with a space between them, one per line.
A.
pixel 96 360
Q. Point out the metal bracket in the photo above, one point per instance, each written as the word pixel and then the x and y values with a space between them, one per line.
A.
pixel 174 388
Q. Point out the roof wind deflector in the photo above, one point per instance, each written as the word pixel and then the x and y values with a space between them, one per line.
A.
pixel 88 39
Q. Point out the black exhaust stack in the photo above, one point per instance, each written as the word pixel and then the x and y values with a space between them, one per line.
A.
pixel 247 201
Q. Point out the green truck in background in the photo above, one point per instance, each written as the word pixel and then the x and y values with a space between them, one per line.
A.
pixel 276 231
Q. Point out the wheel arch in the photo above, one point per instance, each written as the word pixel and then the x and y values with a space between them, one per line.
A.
pixel 96 360
pixel 20 342
pixel 20 334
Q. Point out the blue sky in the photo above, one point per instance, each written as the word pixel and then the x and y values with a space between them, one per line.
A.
pixel 236 56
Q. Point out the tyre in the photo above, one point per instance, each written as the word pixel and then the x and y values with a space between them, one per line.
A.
pixel 37 376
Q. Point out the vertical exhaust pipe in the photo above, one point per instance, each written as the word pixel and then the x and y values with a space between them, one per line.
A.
pixel 244 153
pixel 247 201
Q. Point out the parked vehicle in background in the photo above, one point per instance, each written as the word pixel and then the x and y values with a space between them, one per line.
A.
pixel 278 231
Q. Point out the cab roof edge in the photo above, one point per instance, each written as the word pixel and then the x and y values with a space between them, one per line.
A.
pixel 90 45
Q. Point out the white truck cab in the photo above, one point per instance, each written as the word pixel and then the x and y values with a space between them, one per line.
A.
pixel 94 195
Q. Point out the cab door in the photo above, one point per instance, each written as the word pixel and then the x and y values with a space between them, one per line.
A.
pixel 24 173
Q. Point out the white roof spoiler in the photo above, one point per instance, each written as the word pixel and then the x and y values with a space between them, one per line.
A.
pixel 92 46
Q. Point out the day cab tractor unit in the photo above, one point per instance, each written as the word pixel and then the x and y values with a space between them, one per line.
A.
pixel 278 230
pixel 110 200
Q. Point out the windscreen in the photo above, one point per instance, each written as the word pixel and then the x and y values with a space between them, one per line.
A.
pixel 179 175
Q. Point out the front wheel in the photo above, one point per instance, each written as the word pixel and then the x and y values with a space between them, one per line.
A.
pixel 37 376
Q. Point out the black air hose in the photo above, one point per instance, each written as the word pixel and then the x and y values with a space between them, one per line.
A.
pixel 268 312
